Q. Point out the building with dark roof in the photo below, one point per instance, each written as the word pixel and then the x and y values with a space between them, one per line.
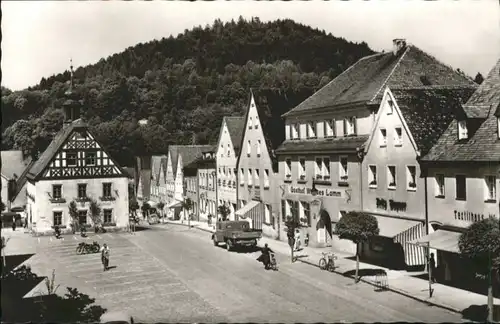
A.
pixel 75 167
pixel 326 134
pixel 408 123
pixel 257 176
pixel 179 156
pixel 14 167
pixel 226 155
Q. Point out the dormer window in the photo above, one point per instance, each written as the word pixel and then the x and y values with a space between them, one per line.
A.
pixel 350 126
pixel 311 130
pixel 329 128
pixel 294 131
pixel 462 130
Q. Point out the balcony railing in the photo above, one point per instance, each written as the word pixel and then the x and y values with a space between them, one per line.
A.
pixel 57 200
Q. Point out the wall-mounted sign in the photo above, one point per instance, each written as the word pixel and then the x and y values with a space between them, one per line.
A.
pixel 321 192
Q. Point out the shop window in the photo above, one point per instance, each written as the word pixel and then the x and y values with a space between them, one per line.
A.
pixel 305 214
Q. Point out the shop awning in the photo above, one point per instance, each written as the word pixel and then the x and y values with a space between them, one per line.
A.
pixel 174 204
pixel 299 197
pixel 440 240
pixel 390 227
pixel 152 204
pixel 244 211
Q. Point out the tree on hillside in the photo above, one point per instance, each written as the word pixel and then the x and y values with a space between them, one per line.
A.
pixel 291 225
pixel 481 244
pixel 224 212
pixel 359 228
pixel 479 78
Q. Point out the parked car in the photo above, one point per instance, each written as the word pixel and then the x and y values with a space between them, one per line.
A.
pixel 153 219
pixel 235 233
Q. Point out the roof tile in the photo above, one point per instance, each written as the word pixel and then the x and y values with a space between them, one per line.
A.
pixel 486 99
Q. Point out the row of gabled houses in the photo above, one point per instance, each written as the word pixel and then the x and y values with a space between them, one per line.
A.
pixel 398 135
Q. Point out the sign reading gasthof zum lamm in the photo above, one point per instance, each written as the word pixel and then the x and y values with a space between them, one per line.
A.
pixel 321 192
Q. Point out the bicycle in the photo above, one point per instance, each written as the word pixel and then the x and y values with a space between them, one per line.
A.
pixel 327 265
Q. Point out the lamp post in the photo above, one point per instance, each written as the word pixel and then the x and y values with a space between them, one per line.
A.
pixel 314 191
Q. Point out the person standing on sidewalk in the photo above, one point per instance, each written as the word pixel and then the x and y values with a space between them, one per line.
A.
pixel 105 256
pixel 432 267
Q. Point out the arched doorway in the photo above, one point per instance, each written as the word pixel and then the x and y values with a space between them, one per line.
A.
pixel 324 227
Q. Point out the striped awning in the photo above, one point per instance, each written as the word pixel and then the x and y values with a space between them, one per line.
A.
pixel 247 209
pixel 390 226
pixel 440 240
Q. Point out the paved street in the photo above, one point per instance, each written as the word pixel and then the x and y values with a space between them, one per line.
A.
pixel 174 274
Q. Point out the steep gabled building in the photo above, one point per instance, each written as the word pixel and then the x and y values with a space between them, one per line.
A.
pixel 228 150
pixel 325 135
pixel 408 123
pixel 258 175
pixel 463 177
pixel 75 166
pixel 178 157
pixel 14 170
pixel 143 187
pixel 155 194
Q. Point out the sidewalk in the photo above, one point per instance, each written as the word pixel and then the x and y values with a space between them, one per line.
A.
pixel 401 282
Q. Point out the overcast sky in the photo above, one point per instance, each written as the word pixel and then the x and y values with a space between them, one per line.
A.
pixel 40 37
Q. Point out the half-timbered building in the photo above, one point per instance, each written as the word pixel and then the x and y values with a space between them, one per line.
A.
pixel 76 167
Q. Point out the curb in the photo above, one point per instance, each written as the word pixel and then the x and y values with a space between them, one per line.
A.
pixel 398 291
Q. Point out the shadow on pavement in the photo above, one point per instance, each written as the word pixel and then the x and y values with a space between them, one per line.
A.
pixel 111 267
pixel 47 306
pixel 477 286
pixel 479 313
pixel 12 261
pixel 366 272
pixel 241 249
pixel 384 263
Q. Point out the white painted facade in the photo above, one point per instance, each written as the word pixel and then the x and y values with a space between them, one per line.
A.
pixel 226 171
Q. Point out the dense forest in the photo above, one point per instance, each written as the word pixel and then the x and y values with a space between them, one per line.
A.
pixel 183 86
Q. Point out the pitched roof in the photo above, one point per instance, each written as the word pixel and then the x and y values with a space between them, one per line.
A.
pixel 13 163
pixel 347 144
pixel 429 110
pixel 189 154
pixel 156 161
pixel 57 143
pixel 483 144
pixel 235 127
pixel 486 99
pixel 364 81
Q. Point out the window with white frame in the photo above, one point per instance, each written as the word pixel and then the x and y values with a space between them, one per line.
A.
pixel 350 126
pixel 249 148
pixel 250 177
pixel 491 188
pixel 288 168
pixel 330 128
pixel 267 214
pixel 391 177
pixel 383 137
pixel 266 178
pixel 390 106
pixel 318 168
pixel 462 130
pixel 343 170
pixel 305 214
pixel 398 136
pixel 311 130
pixel 302 168
pixel 257 179
pixel 372 176
pixel 461 187
pixel 294 134
pixel 250 123
pixel 298 131
pixel 411 176
pixel 326 169
pixel 258 148
pixel 288 131
pixel 242 176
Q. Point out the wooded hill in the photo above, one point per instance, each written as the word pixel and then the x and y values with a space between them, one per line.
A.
pixel 183 85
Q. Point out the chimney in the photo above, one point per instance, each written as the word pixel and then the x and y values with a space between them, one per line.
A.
pixel 398 44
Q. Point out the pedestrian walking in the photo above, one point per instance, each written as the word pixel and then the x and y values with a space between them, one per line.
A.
pixel 432 267
pixel 297 240
pixel 105 256
pixel 13 223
